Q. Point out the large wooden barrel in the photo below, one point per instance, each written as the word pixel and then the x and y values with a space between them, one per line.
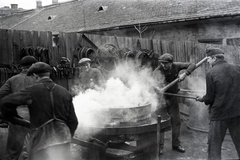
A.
pixel 129 115
pixel 147 58
pixel 86 52
pixel 122 116
pixel 108 51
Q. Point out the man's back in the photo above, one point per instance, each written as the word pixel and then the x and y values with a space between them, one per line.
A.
pixel 41 108
pixel 15 84
pixel 44 108
pixel 224 90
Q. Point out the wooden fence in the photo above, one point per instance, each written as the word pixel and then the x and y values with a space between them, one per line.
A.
pixel 12 41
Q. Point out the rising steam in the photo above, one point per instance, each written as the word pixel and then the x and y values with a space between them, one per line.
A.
pixel 129 86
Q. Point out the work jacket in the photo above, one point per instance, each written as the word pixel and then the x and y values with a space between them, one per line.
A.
pixel 167 76
pixel 38 99
pixel 15 84
pixel 223 90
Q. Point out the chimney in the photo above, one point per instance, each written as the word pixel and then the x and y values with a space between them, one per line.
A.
pixel 14 6
pixel 39 4
pixel 54 1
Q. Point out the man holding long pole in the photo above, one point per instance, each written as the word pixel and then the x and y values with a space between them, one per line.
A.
pixel 223 98
pixel 170 70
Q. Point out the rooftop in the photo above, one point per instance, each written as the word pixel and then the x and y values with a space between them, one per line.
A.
pixel 87 15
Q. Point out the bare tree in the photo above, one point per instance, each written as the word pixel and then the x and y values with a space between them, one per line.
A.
pixel 140 29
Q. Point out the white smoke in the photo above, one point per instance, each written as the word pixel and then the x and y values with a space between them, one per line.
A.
pixel 197 86
pixel 130 86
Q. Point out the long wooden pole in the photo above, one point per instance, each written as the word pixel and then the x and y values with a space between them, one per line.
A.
pixel 177 80
pixel 180 95
pixel 158 136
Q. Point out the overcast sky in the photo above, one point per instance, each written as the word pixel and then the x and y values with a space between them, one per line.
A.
pixel 25 4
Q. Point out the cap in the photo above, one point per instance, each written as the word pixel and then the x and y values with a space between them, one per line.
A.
pixel 166 57
pixel 27 61
pixel 39 67
pixel 84 60
pixel 214 51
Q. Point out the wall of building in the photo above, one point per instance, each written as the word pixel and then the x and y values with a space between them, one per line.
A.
pixel 204 30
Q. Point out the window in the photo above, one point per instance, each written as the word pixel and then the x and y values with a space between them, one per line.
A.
pixel 211 41
pixel 102 8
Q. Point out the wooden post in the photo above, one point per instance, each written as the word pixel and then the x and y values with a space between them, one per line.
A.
pixel 158 136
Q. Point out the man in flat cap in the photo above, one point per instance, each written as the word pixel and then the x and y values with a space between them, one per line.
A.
pixel 16 133
pixel 169 71
pixel 52 116
pixel 89 78
pixel 223 98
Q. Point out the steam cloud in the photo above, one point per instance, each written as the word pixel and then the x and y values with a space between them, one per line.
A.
pixel 198 111
pixel 129 86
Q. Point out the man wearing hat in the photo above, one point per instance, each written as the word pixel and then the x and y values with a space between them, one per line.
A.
pixel 14 84
pixel 89 78
pixel 223 98
pixel 52 116
pixel 168 71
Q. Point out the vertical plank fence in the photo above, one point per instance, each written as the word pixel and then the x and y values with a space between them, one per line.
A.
pixel 12 41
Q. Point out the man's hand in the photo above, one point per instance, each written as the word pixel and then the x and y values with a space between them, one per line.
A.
pixel 182 76
pixel 200 99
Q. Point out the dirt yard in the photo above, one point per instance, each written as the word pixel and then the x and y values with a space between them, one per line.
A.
pixel 195 143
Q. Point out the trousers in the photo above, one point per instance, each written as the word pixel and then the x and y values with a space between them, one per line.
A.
pixel 15 141
pixel 217 132
pixel 172 109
